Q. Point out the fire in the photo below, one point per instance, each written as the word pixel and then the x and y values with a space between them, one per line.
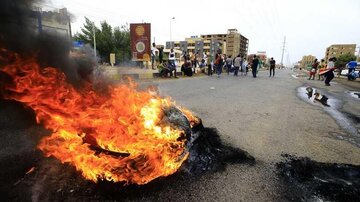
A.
pixel 118 137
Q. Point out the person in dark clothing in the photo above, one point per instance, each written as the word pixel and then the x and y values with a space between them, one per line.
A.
pixel 272 66
pixel 254 66
pixel 161 55
pixel 313 70
pixel 329 75
pixel 186 69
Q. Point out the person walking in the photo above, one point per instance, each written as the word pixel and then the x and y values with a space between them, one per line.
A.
pixel 237 64
pixel 254 65
pixel 272 66
pixel 313 70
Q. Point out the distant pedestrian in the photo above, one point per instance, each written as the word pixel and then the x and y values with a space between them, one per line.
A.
pixel 229 63
pixel 313 70
pixel 218 64
pixel 254 65
pixel 244 67
pixel 209 65
pixel 161 55
pixel 153 55
pixel 321 68
pixel 237 64
pixel 272 66
pixel 351 66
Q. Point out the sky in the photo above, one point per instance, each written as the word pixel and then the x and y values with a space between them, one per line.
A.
pixel 310 26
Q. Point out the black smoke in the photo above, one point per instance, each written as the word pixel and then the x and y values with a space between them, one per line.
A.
pixel 19 34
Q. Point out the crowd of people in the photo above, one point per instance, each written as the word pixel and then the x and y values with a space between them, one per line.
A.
pixel 237 64
pixel 325 71
pixel 193 63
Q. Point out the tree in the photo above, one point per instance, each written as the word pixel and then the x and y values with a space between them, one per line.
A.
pixel 122 42
pixel 87 32
pixel 342 60
pixel 108 40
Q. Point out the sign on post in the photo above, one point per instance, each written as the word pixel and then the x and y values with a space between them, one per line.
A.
pixel 112 59
pixel 140 34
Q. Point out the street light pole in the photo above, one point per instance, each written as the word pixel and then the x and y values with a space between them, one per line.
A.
pixel 173 18
pixel 94 38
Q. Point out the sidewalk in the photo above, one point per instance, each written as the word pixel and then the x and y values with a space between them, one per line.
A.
pixel 119 73
pixel 342 79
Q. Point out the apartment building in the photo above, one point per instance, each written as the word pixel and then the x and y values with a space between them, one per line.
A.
pixel 232 43
pixel 307 60
pixel 336 50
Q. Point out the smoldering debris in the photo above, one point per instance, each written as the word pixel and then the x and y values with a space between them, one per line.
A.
pixel 209 153
pixel 314 181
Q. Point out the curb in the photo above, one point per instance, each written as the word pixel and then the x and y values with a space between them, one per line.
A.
pixel 138 76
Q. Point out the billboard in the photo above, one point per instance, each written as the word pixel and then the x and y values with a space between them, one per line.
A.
pixel 140 34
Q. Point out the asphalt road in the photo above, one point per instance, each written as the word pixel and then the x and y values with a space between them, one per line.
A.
pixel 267 117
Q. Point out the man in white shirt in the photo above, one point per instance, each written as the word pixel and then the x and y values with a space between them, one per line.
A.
pixel 330 68
pixel 172 65
pixel 153 55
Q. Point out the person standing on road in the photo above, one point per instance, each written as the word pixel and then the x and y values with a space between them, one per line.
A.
pixel 254 65
pixel 161 55
pixel 272 66
pixel 313 70
pixel 229 63
pixel 218 64
pixel 153 55
pixel 244 67
pixel 237 64
pixel 321 68
pixel 209 64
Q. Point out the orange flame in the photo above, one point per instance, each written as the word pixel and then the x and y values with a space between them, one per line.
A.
pixel 119 137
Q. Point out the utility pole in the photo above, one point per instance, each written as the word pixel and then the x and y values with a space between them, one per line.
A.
pixel 283 49
pixel 173 18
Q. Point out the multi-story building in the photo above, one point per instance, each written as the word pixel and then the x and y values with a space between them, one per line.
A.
pixel 232 43
pixel 307 60
pixel 198 45
pixel 53 22
pixel 336 50
pixel 235 42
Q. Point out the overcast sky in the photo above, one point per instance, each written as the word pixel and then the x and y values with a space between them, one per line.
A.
pixel 309 25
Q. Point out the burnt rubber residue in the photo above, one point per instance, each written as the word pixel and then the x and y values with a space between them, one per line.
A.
pixel 315 181
pixel 209 153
